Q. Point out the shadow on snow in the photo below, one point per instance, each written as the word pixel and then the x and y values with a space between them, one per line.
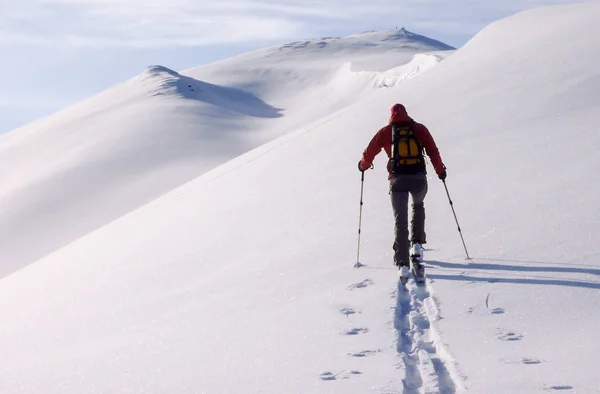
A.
pixel 465 268
pixel 229 98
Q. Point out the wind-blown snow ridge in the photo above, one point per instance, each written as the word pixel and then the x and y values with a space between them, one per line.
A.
pixel 163 81
pixel 418 65
pixel 352 81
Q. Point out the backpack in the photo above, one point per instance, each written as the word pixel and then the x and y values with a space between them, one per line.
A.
pixel 407 151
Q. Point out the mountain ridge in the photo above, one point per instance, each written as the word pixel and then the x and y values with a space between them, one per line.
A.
pixel 147 135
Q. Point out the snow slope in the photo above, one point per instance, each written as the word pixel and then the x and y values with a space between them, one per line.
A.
pixel 241 280
pixel 85 166
pixel 314 78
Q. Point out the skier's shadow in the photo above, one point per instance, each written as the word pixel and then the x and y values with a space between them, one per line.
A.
pixel 532 266
pixel 529 266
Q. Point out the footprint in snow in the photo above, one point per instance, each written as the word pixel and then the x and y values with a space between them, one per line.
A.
pixel 338 376
pixel 356 331
pixel 494 311
pixel 524 360
pixel 530 361
pixel 361 285
pixel 347 311
pixel 560 387
pixel 509 336
pixel 328 376
pixel 364 353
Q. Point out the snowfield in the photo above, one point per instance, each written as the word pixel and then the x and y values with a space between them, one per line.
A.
pixel 241 280
pixel 77 170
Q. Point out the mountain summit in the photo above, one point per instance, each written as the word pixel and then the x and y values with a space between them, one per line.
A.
pixel 393 39
pixel 410 39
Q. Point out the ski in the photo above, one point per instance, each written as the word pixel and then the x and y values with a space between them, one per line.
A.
pixel 419 274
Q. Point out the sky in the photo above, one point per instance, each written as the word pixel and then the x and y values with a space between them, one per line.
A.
pixel 54 53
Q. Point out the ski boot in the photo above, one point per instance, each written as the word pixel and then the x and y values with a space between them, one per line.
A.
pixel 403 272
pixel 416 259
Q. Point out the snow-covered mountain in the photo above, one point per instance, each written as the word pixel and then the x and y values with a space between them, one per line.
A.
pixel 83 167
pixel 241 280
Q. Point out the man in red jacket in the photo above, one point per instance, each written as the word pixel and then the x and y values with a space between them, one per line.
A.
pixel 404 141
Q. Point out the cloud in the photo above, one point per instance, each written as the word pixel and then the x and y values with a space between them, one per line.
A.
pixel 167 23
pixel 140 24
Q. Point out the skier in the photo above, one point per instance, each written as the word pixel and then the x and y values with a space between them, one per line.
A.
pixel 404 140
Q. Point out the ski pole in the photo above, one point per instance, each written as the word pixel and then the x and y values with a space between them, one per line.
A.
pixel 455 218
pixel 362 184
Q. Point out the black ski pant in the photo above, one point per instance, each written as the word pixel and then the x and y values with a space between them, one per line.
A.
pixel 400 187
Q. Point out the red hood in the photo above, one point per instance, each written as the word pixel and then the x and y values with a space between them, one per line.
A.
pixel 399 114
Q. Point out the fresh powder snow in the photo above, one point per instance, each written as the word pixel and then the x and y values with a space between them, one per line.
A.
pixel 242 281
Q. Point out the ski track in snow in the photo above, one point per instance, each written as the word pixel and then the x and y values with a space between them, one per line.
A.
pixel 425 369
pixel 417 343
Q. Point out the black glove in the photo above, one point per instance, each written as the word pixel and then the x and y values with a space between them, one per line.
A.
pixel 443 175
pixel 360 167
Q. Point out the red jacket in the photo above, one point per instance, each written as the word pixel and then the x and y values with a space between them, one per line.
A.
pixel 383 139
